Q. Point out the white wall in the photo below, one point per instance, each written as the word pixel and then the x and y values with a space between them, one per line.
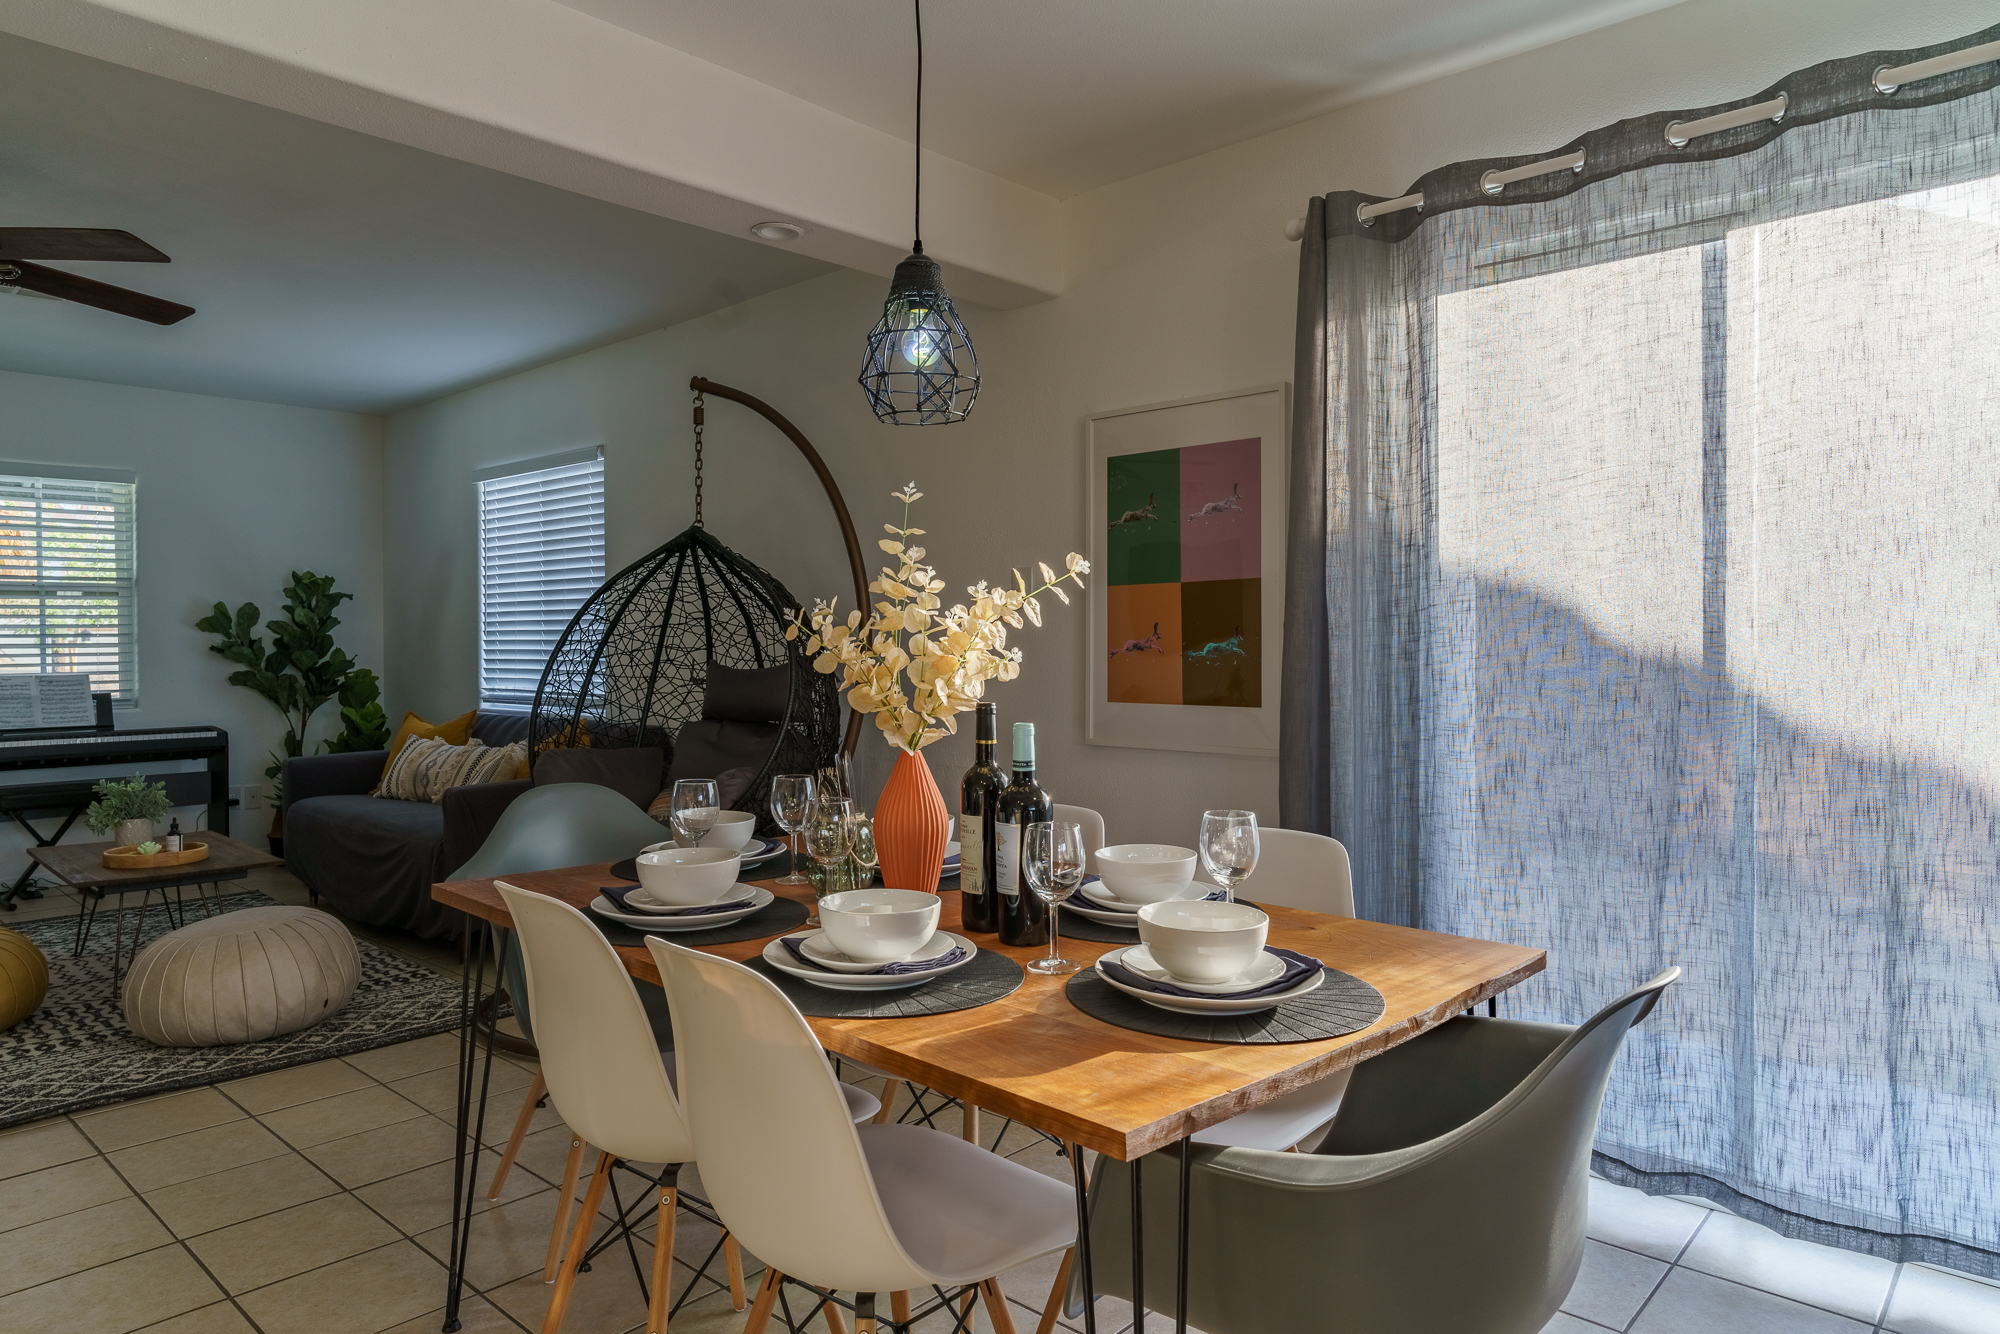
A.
pixel 233 496
pixel 1180 284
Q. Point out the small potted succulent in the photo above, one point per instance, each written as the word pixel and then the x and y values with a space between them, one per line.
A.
pixel 127 809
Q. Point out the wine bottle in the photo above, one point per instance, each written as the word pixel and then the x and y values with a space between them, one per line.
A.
pixel 1024 919
pixel 978 794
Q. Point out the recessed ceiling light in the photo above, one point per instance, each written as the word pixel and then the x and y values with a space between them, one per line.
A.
pixel 777 231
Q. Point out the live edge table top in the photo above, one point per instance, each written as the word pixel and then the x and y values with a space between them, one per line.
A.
pixel 1036 1058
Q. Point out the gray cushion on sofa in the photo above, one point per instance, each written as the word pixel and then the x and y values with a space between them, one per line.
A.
pixel 500 729
pixel 363 855
pixel 633 770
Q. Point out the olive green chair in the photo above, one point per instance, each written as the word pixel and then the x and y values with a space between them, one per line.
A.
pixel 1448 1197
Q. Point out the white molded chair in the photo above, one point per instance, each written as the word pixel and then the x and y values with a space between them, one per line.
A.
pixel 831 1204
pixel 1093 831
pixel 610 1083
pixel 1294 870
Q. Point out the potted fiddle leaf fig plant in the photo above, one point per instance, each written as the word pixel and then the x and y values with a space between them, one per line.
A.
pixel 127 809
pixel 302 671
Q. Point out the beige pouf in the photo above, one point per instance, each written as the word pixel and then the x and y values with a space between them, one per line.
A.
pixel 241 977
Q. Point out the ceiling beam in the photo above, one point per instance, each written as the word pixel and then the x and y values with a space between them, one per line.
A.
pixel 542 91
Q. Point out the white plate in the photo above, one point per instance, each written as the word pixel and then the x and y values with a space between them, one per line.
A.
pixel 641 900
pixel 1218 1005
pixel 758 849
pixel 821 951
pixel 951 860
pixel 1084 904
pixel 1268 969
pixel 654 921
pixel 781 959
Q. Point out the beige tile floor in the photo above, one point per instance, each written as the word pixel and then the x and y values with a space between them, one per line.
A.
pixel 318 1200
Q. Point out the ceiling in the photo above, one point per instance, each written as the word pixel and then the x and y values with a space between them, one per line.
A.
pixel 1063 96
pixel 328 268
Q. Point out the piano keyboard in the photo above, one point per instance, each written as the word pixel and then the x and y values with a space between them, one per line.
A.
pixel 113 738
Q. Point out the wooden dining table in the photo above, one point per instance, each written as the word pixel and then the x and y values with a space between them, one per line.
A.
pixel 1034 1057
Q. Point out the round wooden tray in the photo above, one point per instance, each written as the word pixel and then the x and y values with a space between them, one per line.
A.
pixel 129 858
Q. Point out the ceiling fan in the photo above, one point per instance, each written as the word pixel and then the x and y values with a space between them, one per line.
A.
pixel 20 245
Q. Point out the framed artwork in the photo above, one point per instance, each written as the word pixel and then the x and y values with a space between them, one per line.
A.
pixel 1186 511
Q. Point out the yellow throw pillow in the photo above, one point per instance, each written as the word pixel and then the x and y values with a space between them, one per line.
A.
pixel 456 733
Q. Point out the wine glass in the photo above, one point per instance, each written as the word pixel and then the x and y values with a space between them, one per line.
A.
pixel 861 847
pixel 827 838
pixel 697 803
pixel 791 802
pixel 1053 858
pixel 1229 848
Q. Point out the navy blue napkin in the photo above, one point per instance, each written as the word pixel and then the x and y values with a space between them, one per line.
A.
pixel 617 893
pixel 955 955
pixel 1298 967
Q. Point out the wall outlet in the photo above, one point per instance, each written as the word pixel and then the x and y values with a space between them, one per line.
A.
pixel 248 798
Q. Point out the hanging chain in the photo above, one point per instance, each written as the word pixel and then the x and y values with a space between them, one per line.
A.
pixel 699 415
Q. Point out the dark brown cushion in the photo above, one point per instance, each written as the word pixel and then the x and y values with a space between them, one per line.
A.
pixel 756 695
pixel 633 771
pixel 707 748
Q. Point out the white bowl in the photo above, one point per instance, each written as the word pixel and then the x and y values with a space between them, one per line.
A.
pixel 1199 942
pixel 685 877
pixel 1145 872
pixel 879 925
pixel 732 832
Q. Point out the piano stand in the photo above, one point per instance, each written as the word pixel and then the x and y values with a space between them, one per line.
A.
pixel 20 889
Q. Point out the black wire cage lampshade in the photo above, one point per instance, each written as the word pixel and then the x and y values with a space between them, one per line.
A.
pixel 921 369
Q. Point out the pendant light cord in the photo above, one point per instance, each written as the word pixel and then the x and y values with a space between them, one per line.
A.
pixel 917 222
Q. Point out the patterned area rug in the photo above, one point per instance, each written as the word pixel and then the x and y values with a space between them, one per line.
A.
pixel 76 1052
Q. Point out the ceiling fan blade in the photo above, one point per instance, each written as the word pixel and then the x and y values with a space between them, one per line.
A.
pixel 76 243
pixel 90 292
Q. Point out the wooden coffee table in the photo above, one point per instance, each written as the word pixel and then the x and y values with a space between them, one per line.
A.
pixel 81 867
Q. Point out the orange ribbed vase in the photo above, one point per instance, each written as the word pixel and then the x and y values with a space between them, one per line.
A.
pixel 910 825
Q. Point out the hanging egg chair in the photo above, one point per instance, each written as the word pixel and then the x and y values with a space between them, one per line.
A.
pixel 684 650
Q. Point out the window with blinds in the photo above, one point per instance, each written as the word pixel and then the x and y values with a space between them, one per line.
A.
pixel 67 576
pixel 541 553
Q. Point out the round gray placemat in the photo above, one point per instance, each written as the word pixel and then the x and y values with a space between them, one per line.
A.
pixel 986 979
pixel 1341 1004
pixel 773 919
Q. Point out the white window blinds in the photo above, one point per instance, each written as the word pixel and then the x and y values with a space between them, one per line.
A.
pixel 67 576
pixel 541 553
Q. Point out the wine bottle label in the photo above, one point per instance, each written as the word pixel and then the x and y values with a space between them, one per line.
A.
pixel 971 861
pixel 1007 858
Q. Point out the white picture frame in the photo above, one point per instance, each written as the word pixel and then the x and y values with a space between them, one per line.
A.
pixel 1226 701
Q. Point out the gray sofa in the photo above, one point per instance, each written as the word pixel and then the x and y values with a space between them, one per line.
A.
pixel 374 860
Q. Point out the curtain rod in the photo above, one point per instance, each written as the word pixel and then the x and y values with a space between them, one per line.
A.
pixel 1887 79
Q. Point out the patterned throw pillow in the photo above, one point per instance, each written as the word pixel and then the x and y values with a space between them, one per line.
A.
pixel 425 769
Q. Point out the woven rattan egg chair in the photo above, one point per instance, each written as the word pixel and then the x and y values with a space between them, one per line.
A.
pixel 685 650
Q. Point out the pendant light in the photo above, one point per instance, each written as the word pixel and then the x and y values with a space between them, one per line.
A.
pixel 921 370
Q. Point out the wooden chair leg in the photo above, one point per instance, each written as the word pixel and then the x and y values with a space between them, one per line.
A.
pixel 971 1123
pixel 732 1260
pixel 767 1296
pixel 888 1112
pixel 565 1201
pixel 579 1242
pixel 1053 1311
pixel 835 1321
pixel 996 1307
pixel 899 1307
pixel 535 1091
pixel 663 1263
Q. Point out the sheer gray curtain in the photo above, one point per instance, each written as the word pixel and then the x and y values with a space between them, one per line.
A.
pixel 1645 607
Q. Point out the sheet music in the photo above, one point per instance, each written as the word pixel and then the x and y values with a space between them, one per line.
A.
pixel 45 699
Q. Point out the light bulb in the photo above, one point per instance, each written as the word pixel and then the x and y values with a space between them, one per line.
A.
pixel 922 344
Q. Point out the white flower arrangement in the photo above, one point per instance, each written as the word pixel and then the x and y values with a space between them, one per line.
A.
pixel 912 663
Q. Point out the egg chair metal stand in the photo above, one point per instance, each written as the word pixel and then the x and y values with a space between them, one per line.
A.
pixel 632 668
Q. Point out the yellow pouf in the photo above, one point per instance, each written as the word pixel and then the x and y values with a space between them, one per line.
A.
pixel 24 978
